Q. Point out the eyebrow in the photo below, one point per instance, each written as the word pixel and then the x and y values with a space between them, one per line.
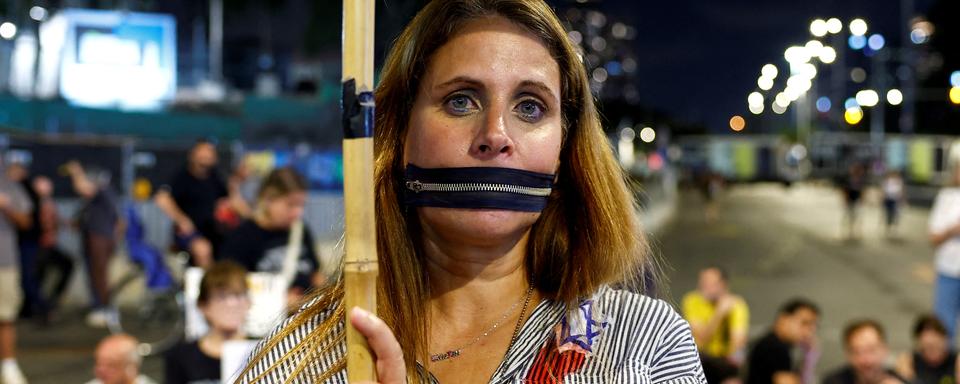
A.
pixel 478 84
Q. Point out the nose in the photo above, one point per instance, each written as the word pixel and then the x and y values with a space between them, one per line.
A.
pixel 492 139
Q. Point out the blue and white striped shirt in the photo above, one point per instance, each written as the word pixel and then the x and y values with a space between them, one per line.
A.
pixel 614 337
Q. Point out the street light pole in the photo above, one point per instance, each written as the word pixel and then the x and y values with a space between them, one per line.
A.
pixel 909 83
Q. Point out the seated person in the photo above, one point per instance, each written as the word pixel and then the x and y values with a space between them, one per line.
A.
pixel 932 361
pixel 261 243
pixel 770 360
pixel 719 320
pixel 117 361
pixel 867 353
pixel 224 303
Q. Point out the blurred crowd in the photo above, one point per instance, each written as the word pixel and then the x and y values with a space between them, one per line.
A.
pixel 227 226
pixel 788 351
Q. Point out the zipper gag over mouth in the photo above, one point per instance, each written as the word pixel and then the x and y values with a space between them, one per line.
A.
pixel 478 188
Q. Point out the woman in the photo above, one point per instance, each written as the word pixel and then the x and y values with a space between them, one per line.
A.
pixel 945 236
pixel 493 286
pixel 933 361
pixel 98 221
pixel 224 303
pixel 261 243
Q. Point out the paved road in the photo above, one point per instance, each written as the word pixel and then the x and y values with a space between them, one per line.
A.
pixel 776 242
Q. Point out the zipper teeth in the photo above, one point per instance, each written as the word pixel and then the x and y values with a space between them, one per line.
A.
pixel 417 186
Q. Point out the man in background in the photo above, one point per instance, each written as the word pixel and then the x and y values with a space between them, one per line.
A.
pixel 770 360
pixel 867 353
pixel 118 362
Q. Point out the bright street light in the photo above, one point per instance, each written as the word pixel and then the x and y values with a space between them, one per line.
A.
pixel 828 55
pixel 955 95
pixel 648 135
pixel 834 25
pixel 955 79
pixel 796 54
pixel 858 27
pixel 765 83
pixel 8 30
pixel 755 98
pixel 868 98
pixel 894 97
pixel 770 70
pixel 818 28
pixel 756 109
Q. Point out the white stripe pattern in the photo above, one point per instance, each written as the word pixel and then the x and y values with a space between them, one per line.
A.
pixel 646 341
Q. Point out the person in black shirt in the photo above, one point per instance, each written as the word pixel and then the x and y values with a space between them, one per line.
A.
pixel 261 242
pixel 932 361
pixel 34 304
pixel 224 303
pixel 770 360
pixel 98 220
pixel 190 200
pixel 867 353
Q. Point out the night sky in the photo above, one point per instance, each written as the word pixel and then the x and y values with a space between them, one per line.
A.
pixel 699 59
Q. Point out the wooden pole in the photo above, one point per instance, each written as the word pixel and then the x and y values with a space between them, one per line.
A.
pixel 360 269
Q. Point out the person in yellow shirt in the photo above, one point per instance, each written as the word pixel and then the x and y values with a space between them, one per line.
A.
pixel 719 319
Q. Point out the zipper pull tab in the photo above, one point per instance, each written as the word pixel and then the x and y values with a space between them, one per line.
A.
pixel 415 186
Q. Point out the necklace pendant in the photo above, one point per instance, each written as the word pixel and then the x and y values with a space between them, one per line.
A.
pixel 445 356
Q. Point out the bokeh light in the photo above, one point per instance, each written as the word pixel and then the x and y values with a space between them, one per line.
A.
pixel 894 97
pixel 648 135
pixel 824 104
pixel 853 116
pixel 858 27
pixel 818 28
pixel 8 30
pixel 737 123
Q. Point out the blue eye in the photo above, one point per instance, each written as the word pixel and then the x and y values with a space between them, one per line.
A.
pixel 459 105
pixel 530 111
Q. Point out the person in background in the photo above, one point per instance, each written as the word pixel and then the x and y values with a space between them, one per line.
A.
pixel 944 230
pixel 191 199
pixel 853 186
pixel 224 303
pixel 770 360
pixel 867 353
pixel 932 361
pixel 98 221
pixel 720 321
pixel 893 198
pixel 261 243
pixel 117 361
pixel 34 305
pixel 15 210
pixel 50 258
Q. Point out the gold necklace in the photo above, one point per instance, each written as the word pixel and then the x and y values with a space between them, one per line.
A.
pixel 456 352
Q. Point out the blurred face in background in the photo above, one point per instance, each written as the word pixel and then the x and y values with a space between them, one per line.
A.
pixel 932 346
pixel 226 309
pixel 282 211
pixel 203 157
pixel 43 186
pixel 115 361
pixel 867 353
pixel 16 172
pixel 799 327
pixel 711 284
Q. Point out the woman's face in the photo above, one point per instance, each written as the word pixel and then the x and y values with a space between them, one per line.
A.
pixel 284 210
pixel 490 97
pixel 226 309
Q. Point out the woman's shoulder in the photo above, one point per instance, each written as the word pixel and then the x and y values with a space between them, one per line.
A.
pixel 649 332
pixel 291 348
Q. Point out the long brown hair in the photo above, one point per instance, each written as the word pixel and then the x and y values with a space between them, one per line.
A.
pixel 587 236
